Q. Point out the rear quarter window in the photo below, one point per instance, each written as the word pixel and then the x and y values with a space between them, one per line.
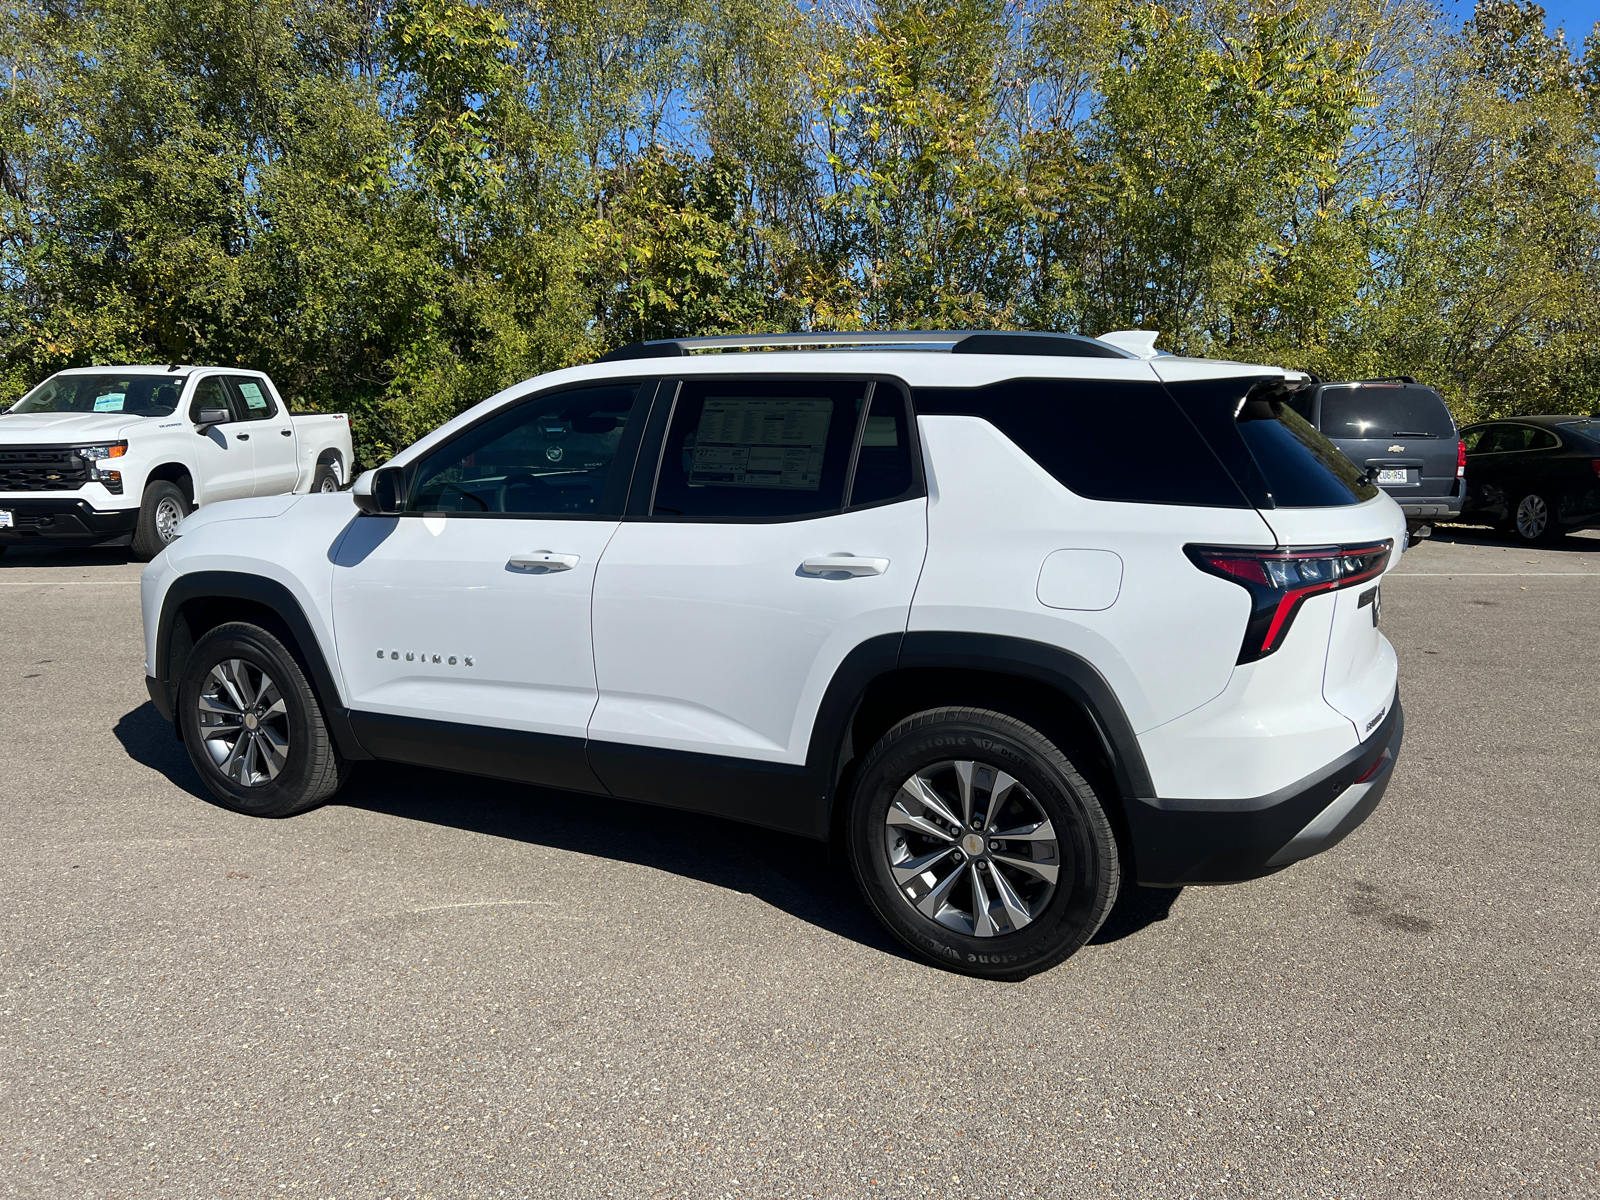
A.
pixel 1103 439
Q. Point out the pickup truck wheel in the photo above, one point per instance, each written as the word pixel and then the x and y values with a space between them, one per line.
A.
pixel 253 727
pixel 160 511
pixel 325 480
pixel 980 845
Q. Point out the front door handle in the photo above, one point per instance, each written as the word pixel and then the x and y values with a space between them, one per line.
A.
pixel 844 564
pixel 243 437
pixel 287 432
pixel 542 562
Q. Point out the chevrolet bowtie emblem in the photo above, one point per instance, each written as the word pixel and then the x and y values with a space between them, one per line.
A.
pixel 1397 449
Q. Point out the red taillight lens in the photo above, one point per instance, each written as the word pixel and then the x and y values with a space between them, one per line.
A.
pixel 1279 581
pixel 1594 464
pixel 1461 460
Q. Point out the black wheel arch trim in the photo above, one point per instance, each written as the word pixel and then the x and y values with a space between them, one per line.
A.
pixel 274 596
pixel 1072 675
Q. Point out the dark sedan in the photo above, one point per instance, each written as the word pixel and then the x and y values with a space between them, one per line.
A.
pixel 1536 477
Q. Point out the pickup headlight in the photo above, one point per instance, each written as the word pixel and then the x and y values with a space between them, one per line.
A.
pixel 98 454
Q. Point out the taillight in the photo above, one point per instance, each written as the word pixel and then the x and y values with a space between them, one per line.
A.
pixel 1461 460
pixel 1279 581
pixel 1594 464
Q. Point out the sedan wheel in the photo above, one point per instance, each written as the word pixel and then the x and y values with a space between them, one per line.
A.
pixel 1534 521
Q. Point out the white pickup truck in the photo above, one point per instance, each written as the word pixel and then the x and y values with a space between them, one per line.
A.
pixel 120 455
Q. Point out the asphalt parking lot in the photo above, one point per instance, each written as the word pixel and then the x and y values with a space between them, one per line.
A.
pixel 438 986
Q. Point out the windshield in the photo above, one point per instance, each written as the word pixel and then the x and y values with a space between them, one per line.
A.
pixel 1383 411
pixel 1588 429
pixel 135 395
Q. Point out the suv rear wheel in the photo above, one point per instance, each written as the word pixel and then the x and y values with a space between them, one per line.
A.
pixel 980 845
pixel 253 727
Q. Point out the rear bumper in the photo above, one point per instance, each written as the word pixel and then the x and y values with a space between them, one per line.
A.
pixel 65 522
pixel 1438 510
pixel 1179 842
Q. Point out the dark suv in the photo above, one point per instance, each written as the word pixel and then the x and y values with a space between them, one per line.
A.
pixel 1403 433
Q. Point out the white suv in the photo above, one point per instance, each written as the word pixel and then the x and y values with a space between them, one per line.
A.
pixel 1011 617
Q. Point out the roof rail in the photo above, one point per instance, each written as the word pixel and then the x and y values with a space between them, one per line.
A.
pixel 1383 379
pixel 954 341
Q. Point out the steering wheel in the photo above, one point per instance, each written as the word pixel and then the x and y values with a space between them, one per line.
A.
pixel 542 498
pixel 463 493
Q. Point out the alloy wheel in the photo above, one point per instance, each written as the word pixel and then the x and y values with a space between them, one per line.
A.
pixel 971 848
pixel 244 722
pixel 1532 517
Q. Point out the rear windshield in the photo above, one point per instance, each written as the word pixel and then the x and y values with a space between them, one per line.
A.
pixel 1588 429
pixel 1385 410
pixel 1273 452
pixel 1302 468
pixel 135 395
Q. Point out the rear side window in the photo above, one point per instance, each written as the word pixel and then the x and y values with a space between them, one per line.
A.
pixel 741 449
pixel 883 463
pixel 252 399
pixel 1103 439
pixel 1385 410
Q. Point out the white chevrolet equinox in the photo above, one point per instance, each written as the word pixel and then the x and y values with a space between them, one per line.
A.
pixel 1008 617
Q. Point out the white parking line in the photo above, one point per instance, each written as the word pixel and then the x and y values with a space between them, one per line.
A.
pixel 1505 574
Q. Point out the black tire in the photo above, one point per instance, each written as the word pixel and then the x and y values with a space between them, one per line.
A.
pixel 1534 521
pixel 325 480
pixel 1083 852
pixel 154 532
pixel 260 782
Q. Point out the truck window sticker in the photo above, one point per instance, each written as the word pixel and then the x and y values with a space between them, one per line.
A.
pixel 253 397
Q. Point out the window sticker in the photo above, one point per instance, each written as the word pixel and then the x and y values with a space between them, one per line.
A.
pixel 253 398
pixel 761 443
pixel 111 402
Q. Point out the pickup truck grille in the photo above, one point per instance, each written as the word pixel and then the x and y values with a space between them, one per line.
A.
pixel 41 469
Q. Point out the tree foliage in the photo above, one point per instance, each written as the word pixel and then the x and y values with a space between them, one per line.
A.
pixel 397 207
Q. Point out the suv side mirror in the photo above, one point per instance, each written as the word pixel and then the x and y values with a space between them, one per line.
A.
pixel 377 492
pixel 212 416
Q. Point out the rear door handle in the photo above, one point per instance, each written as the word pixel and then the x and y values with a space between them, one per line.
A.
pixel 844 564
pixel 542 562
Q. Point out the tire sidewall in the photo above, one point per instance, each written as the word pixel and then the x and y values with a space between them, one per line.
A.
pixel 147 541
pixel 1088 856
pixel 264 652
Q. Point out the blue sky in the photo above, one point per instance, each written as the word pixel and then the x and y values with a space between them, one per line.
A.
pixel 1577 16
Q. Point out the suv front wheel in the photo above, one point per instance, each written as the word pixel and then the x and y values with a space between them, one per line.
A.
pixel 253 727
pixel 980 845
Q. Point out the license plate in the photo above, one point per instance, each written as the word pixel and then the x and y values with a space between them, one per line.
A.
pixel 5 519
pixel 1391 476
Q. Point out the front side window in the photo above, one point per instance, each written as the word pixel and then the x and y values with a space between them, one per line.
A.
pixel 211 392
pixel 134 395
pixel 554 455
pixel 255 403
pixel 741 449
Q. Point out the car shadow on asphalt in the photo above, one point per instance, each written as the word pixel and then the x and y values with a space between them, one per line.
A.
pixel 19 556
pixel 794 874
pixel 1586 541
